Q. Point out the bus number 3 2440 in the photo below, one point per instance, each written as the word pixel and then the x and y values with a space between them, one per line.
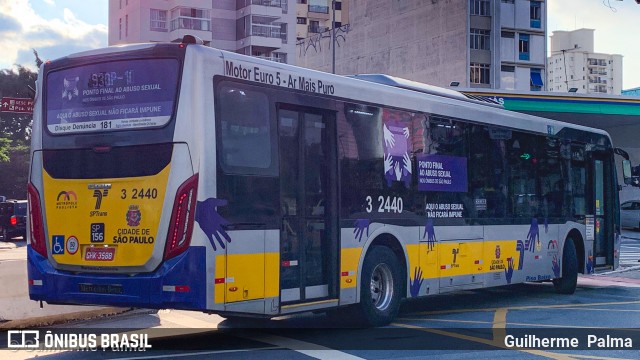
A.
pixel 389 204
pixel 142 193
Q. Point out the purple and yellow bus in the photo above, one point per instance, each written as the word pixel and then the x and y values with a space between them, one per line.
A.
pixel 182 176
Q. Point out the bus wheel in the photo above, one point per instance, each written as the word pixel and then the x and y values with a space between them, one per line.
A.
pixel 567 283
pixel 380 286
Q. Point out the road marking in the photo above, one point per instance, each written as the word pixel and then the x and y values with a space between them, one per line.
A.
pixel 500 323
pixel 496 343
pixel 526 307
pixel 513 323
pixel 303 347
pixel 618 310
pixel 200 353
pixel 446 320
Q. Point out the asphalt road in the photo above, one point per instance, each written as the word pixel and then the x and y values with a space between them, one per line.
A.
pixel 444 326
pixel 452 326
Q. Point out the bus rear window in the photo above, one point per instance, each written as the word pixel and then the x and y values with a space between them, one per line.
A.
pixel 108 96
pixel 119 162
pixel 244 129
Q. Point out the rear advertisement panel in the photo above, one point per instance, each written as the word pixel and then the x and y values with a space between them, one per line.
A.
pixel 109 96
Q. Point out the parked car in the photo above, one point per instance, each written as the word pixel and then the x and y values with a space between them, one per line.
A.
pixel 630 214
pixel 13 219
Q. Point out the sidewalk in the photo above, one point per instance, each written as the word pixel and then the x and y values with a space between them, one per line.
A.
pixel 17 311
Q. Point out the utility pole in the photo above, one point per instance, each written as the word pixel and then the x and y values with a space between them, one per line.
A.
pixel 333 37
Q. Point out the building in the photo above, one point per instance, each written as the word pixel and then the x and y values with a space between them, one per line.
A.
pixel 263 28
pixel 496 44
pixel 316 16
pixel 631 92
pixel 574 66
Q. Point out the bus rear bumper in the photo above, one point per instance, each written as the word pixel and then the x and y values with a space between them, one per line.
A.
pixel 178 283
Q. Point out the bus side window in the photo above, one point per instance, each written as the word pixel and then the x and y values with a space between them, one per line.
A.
pixel 578 178
pixel 360 156
pixel 246 155
pixel 487 176
pixel 245 131
pixel 550 171
pixel 448 139
pixel 523 162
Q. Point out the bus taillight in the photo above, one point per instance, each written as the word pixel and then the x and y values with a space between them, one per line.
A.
pixel 36 226
pixel 181 226
pixel 13 220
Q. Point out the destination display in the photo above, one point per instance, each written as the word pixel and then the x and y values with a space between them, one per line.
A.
pixel 111 96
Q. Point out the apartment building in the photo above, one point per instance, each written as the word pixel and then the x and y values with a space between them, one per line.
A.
pixel 263 28
pixel 316 16
pixel 497 44
pixel 574 66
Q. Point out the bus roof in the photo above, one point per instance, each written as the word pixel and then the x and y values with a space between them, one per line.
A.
pixel 410 95
pixel 383 89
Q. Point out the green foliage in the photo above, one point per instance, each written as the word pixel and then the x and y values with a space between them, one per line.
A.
pixel 15 133
pixel 4 149
pixel 14 174
pixel 15 83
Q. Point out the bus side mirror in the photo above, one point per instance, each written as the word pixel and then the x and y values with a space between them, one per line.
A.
pixel 626 171
pixel 630 173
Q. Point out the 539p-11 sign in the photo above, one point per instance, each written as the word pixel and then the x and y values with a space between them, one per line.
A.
pixel 16 105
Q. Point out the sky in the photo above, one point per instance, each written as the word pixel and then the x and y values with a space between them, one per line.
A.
pixel 56 28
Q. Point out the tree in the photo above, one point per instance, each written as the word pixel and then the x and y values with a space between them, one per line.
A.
pixel 15 133
pixel 16 83
pixel 14 174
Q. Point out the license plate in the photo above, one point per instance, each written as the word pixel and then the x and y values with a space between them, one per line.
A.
pixel 100 254
pixel 100 289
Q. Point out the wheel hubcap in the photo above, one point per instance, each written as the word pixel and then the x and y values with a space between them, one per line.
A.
pixel 381 286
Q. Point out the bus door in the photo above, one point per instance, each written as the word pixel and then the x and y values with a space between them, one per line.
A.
pixel 308 237
pixel 601 225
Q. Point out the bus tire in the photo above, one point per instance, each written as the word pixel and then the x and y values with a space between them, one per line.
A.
pixel 567 283
pixel 380 287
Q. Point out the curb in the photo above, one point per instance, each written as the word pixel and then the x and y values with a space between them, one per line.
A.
pixel 61 318
pixel 632 268
pixel 7 245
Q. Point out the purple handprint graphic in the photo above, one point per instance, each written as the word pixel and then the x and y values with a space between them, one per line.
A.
pixel 508 272
pixel 416 282
pixel 590 263
pixel 397 162
pixel 555 265
pixel 520 249
pixel 360 226
pixel 211 222
pixel 430 234
pixel 534 233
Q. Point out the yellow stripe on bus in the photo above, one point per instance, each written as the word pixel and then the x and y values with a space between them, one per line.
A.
pixel 349 260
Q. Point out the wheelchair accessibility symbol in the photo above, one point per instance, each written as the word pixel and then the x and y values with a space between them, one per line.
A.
pixel 58 244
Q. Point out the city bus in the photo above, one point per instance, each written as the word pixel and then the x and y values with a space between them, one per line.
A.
pixel 175 175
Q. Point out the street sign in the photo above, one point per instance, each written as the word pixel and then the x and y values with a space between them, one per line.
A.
pixel 16 105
